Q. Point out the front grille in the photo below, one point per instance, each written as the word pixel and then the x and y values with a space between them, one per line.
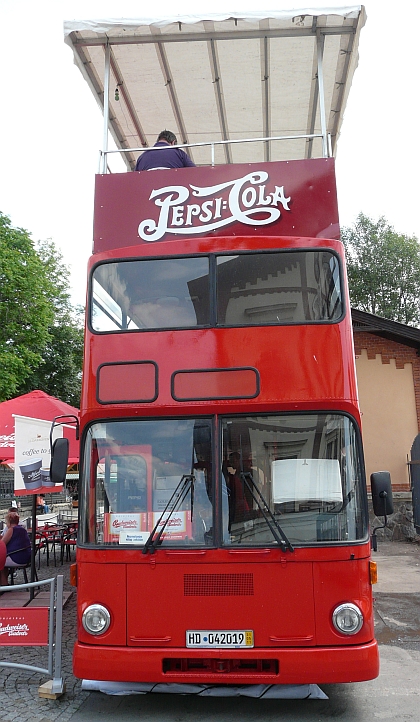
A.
pixel 204 666
pixel 218 585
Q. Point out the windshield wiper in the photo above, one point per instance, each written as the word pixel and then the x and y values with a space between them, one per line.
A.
pixel 183 487
pixel 269 517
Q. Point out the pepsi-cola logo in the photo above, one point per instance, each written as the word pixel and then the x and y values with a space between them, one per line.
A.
pixel 242 200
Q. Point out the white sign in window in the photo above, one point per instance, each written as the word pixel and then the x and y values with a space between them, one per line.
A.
pixel 300 480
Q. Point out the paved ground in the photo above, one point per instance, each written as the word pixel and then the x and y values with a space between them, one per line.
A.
pixel 397 594
pixel 398 631
pixel 19 698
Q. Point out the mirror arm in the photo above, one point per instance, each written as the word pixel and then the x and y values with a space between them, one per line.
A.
pixel 374 539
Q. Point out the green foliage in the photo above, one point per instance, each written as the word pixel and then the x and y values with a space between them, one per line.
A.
pixel 383 270
pixel 25 311
pixel 60 371
pixel 41 335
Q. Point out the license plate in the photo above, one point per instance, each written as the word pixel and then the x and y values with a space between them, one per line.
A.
pixel 224 639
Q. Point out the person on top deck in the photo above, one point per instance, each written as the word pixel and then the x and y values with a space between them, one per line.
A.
pixel 163 159
pixel 18 545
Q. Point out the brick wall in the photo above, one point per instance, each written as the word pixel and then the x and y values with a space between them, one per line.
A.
pixel 391 350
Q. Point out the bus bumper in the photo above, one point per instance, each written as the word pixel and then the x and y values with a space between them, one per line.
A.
pixel 320 665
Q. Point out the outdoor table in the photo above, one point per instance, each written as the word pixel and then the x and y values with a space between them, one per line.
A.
pixel 51 534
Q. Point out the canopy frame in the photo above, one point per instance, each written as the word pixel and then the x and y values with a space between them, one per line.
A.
pixel 87 36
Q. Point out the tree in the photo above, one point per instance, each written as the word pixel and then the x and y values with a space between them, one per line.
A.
pixel 60 370
pixel 41 334
pixel 383 270
pixel 25 311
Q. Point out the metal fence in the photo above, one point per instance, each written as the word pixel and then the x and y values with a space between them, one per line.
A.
pixel 55 632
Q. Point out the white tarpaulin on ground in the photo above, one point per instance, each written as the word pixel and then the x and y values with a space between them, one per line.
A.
pixel 223 77
pixel 258 691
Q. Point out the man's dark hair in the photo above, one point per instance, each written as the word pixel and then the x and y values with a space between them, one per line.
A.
pixel 167 136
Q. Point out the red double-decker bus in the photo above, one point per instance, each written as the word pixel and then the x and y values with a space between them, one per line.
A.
pixel 223 524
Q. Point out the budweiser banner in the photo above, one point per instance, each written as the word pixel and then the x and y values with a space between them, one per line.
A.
pixel 117 525
pixel 23 626
pixel 135 528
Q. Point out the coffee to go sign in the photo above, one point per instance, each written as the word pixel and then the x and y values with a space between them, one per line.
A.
pixel 296 198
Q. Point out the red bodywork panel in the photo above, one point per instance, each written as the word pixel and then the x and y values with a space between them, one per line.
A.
pixel 288 605
pixel 288 379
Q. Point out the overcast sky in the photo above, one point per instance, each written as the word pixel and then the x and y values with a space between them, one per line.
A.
pixel 51 126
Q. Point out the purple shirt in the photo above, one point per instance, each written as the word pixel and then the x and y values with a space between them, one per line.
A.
pixel 169 158
pixel 19 540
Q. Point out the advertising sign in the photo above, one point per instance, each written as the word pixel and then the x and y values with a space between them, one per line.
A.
pixel 289 198
pixel 177 527
pixel 116 524
pixel 134 528
pixel 23 626
pixel 33 456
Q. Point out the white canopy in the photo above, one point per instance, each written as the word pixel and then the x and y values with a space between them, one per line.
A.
pixel 223 77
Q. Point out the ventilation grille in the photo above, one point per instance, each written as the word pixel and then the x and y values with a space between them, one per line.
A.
pixel 218 585
pixel 235 667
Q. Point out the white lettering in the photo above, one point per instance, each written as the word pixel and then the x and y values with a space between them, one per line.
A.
pixel 247 202
pixel 249 196
pixel 278 197
pixel 246 216
pixel 218 213
pixel 207 215
pixel 177 219
pixel 262 200
pixel 148 230
pixel 192 210
pixel 14 630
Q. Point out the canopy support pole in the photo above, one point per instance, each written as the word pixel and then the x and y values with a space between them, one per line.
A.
pixel 106 107
pixel 320 39
pixel 33 545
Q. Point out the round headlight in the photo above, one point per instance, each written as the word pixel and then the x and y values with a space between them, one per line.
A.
pixel 96 619
pixel 347 618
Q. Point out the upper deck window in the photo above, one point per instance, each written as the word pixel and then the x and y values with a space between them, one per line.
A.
pixel 150 294
pixel 251 289
pixel 278 288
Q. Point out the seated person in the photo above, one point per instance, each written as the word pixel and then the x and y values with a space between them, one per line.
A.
pixel 3 555
pixel 163 159
pixel 18 545
pixel 41 506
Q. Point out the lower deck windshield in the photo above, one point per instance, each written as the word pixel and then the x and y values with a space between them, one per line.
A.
pixel 288 480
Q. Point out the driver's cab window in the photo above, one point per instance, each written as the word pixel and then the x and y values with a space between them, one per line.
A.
pixel 164 482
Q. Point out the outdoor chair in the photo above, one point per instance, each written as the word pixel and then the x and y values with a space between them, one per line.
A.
pixel 68 541
pixel 23 567
pixel 52 534
pixel 42 542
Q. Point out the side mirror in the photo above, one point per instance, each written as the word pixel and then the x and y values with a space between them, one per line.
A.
pixel 380 483
pixel 59 460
